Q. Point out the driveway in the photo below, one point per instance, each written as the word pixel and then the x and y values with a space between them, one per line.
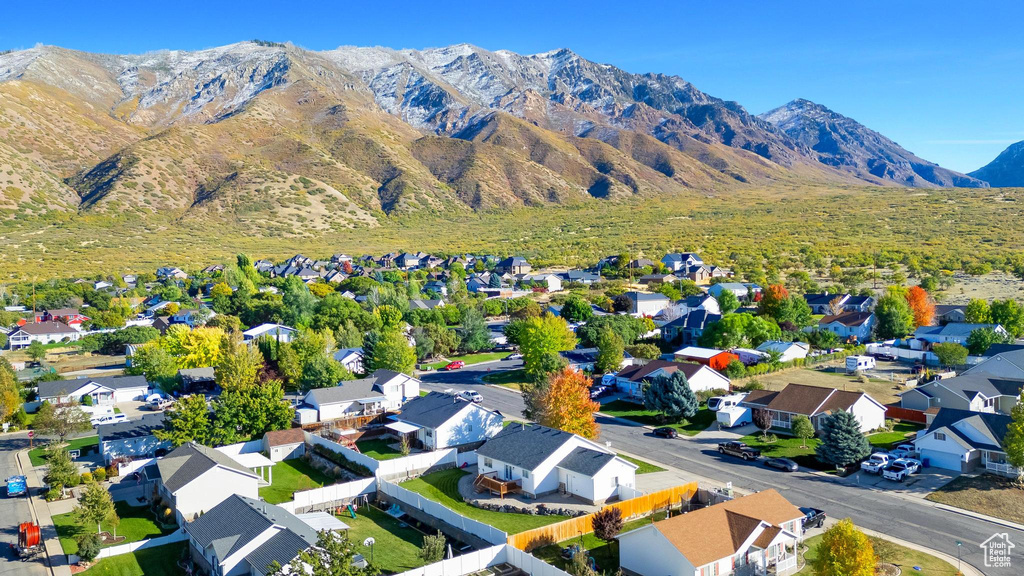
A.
pixel 918 485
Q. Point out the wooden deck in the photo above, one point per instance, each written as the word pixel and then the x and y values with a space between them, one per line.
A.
pixel 496 487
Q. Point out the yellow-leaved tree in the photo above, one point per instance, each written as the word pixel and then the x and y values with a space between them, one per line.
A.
pixel 193 348
pixel 844 551
pixel 566 404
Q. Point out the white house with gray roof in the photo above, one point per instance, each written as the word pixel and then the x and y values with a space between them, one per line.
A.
pixel 103 390
pixel 956 332
pixel 440 420
pixel 1008 364
pixel 974 391
pixel 544 460
pixel 384 390
pixel 193 479
pixel 962 441
pixel 132 438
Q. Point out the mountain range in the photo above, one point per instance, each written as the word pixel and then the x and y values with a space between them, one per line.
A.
pixel 289 141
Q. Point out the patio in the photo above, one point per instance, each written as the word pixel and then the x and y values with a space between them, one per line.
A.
pixel 552 501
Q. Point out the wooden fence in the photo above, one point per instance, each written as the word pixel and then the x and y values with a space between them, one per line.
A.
pixel 631 509
pixel 905 414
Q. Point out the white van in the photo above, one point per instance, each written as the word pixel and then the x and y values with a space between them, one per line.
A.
pixel 717 403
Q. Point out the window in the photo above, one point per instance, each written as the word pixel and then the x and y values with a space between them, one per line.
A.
pixel 469 428
pixel 488 463
pixel 526 473
pixel 430 433
pixel 941 437
pixel 615 481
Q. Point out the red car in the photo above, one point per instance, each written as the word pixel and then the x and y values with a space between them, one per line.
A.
pixel 455 365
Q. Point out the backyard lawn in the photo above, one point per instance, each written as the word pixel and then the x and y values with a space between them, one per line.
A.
pixel 379 449
pixel 606 555
pixel 85 444
pixel 507 378
pixel 986 494
pixel 644 467
pixel 636 412
pixel 903 557
pixel 156 561
pixel 292 476
pixel 469 359
pixel 443 487
pixel 902 433
pixel 137 523
pixel 788 447
pixel 396 547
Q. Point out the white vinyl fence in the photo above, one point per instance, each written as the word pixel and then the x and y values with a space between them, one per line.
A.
pixel 333 493
pixel 481 559
pixel 443 513
pixel 466 459
pixel 131 467
pixel 176 536
pixel 348 453
pixel 404 467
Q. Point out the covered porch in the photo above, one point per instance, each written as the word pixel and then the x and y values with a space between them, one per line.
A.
pixel 996 463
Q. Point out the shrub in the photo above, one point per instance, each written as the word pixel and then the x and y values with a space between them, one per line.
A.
pixel 704 395
pixel 88 546
pixel 100 474
pixel 112 471
pixel 53 495
pixel 433 548
pixel 85 477
pixel 750 386
pixel 86 400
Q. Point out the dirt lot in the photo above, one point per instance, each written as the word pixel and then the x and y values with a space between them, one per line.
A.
pixel 988 287
pixel 881 390
pixel 985 494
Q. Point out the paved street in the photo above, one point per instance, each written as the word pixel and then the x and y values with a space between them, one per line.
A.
pixel 14 511
pixel 906 517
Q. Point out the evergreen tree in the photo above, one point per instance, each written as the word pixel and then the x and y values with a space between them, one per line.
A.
pixel 494 281
pixel 671 395
pixel 842 442
pixel 474 331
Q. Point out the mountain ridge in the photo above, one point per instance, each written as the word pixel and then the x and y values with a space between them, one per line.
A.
pixel 1006 169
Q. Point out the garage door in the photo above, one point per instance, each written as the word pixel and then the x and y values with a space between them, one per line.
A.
pixel 944 460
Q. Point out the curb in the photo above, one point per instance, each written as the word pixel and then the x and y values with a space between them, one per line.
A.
pixel 32 509
pixel 977 516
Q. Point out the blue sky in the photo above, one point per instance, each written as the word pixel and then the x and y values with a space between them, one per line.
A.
pixel 941 78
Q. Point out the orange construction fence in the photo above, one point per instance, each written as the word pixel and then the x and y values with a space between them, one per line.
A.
pixel 632 508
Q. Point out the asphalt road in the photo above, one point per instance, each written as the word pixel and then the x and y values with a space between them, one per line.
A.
pixel 13 511
pixel 900 516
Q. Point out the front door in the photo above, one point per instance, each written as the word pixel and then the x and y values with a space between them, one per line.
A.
pixel 508 472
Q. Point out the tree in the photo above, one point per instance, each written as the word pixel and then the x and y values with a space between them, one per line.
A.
pixel 740 331
pixel 249 412
pixel 762 418
pixel 445 340
pixel 672 396
pixel 94 506
pixel 298 302
pixel 922 306
pixel 189 421
pixel 60 470
pixel 842 442
pixel 803 429
pixel 474 331
pixel 1013 441
pixel 321 371
pixel 156 364
pixel 895 318
pixel 645 351
pixel 566 404
pixel 775 303
pixel 10 393
pixel 332 555
pixel 977 312
pixel 89 546
pixel 801 315
pixel 576 309
pixel 844 551
pixel 950 354
pixel 433 548
pixel 388 349
pixel 390 316
pixel 193 348
pixel 727 301
pixel 541 337
pixel 239 366
pixel 494 281
pixel 62 418
pixel 627 327
pixel 610 351
pixel 36 351
pixel 1010 315
pixel 579 564
pixel 980 339
pixel 607 524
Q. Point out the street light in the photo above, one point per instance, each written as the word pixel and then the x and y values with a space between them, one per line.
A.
pixel 959 544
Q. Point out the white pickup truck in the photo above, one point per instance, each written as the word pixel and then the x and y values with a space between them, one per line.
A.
pixel 901 469
pixel 876 463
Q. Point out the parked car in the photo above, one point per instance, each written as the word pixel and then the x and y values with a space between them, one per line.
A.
pixel 666 432
pixel 813 518
pixel 471 396
pixel 598 391
pixel 16 486
pixel 516 356
pixel 784 464
pixel 901 469
pixel 109 419
pixel 876 463
pixel 903 451
pixel 739 449
pixel 455 365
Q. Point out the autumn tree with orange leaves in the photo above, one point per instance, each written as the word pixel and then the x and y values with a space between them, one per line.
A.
pixel 566 404
pixel 922 305
pixel 775 302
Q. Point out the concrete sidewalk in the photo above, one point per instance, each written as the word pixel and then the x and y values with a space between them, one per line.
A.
pixel 56 560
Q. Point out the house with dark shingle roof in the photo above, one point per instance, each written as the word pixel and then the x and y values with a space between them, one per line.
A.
pixel 632 379
pixel 192 479
pixel 975 391
pixel 132 438
pixel 961 440
pixel 513 265
pixel 42 332
pixel 381 391
pixel 816 403
pixel 543 460
pixel 440 420
pixel 747 535
pixel 104 390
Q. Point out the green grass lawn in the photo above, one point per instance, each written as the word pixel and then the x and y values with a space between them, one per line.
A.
pixel 903 557
pixel 137 523
pixel 397 547
pixel 902 433
pixel 636 412
pixel 508 378
pixel 789 447
pixel 605 554
pixel 443 487
pixel 378 449
pixel 644 467
pixel 157 561
pixel 85 444
pixel 292 476
pixel 469 359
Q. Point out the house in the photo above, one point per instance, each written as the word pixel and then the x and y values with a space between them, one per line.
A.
pixel 277 332
pixel 70 316
pixel 698 274
pixel 681 261
pixel 170 272
pixel 437 287
pixel 749 535
pixel 132 439
pixel 103 390
pixel 513 265
pixel 827 303
pixel 284 444
pixel 382 391
pixel 42 332
pixel 242 536
pixel 744 292
pixel 961 440
pixel 849 325
pixel 645 304
pixel 583 359
pixel 580 277
pixel 541 460
pixel 1008 364
pixel 688 328
pixel 946 313
pixel 816 403
pixel 441 420
pixel 192 317
pixel 425 304
pixel 407 261
pixel 956 332
pixel 631 379
pixel 551 282
pixel 974 391
pixel 788 351
pixel 193 479
pixel 657 279
pixel 351 359
pixel 197 379
pixel 999 348
pixel 710 357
